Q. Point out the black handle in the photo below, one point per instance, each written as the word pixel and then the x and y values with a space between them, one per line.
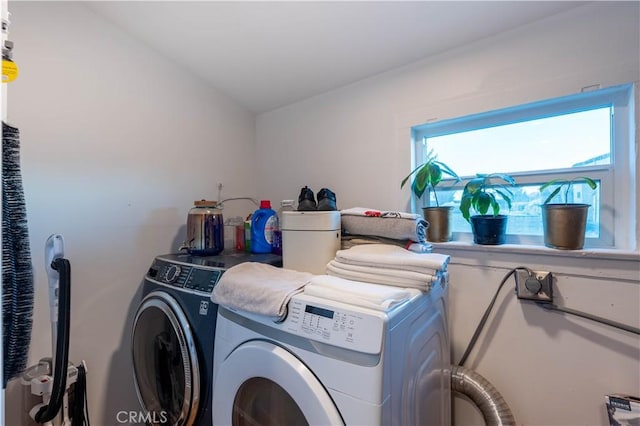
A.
pixel 48 412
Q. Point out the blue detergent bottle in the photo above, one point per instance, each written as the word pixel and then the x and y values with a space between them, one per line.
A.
pixel 263 223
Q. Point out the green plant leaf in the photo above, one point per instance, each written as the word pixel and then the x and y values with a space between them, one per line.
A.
pixel 504 189
pixel 564 183
pixel 420 182
pixel 435 174
pixel 446 170
pixel 553 194
pixel 474 185
pixel 551 182
pixel 592 184
pixel 480 193
pixel 404 181
pixel 465 205
pixel 415 189
pixel 482 201
pixel 505 197
pixel 504 177
pixel 495 207
pixel 428 174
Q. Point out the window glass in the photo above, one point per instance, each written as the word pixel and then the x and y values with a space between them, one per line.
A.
pixel 570 140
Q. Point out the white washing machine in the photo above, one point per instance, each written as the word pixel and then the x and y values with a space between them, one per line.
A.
pixel 330 363
pixel 172 337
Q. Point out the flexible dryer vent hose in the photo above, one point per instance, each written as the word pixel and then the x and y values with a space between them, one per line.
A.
pixel 494 408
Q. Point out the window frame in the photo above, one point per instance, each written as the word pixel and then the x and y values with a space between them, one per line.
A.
pixel 617 185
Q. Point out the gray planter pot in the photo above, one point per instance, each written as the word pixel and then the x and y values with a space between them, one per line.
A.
pixel 439 219
pixel 564 225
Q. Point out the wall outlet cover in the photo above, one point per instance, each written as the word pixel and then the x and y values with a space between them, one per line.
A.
pixel 537 286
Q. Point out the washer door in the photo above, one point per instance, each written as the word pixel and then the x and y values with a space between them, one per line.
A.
pixel 165 361
pixel 260 383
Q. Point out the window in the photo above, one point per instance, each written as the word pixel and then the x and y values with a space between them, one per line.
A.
pixel 587 134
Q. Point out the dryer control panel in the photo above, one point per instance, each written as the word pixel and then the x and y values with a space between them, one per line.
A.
pixel 348 328
pixel 200 274
pixel 184 276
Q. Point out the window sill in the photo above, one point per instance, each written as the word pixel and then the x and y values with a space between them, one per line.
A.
pixel 587 253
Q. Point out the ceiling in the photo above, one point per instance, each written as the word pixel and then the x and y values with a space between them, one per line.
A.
pixel 268 54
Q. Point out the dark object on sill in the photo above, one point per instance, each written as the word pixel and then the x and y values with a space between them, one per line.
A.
pixel 489 229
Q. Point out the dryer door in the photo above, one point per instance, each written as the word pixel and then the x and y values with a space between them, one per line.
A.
pixel 165 361
pixel 263 384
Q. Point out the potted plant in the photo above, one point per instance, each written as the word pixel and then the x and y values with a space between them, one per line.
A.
pixel 564 224
pixel 428 175
pixel 481 194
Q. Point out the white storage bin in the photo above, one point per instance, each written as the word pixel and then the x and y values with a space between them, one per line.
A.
pixel 310 240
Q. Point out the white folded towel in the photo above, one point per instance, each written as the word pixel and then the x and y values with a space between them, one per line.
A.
pixel 259 288
pixel 374 278
pixel 388 272
pixel 356 293
pixel 387 255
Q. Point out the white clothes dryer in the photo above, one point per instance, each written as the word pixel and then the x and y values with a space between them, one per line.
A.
pixel 330 363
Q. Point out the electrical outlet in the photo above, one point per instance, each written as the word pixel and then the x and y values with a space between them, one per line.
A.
pixel 538 286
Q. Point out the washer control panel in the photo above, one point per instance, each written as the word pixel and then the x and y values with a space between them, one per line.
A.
pixel 183 276
pixel 351 329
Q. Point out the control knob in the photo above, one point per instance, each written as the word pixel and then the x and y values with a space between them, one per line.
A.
pixel 172 274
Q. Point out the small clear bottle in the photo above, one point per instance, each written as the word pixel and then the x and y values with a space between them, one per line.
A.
pixel 286 206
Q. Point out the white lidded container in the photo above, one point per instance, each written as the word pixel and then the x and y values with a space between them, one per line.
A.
pixel 310 240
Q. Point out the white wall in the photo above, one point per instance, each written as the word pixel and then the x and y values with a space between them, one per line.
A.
pixel 117 142
pixel 552 369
